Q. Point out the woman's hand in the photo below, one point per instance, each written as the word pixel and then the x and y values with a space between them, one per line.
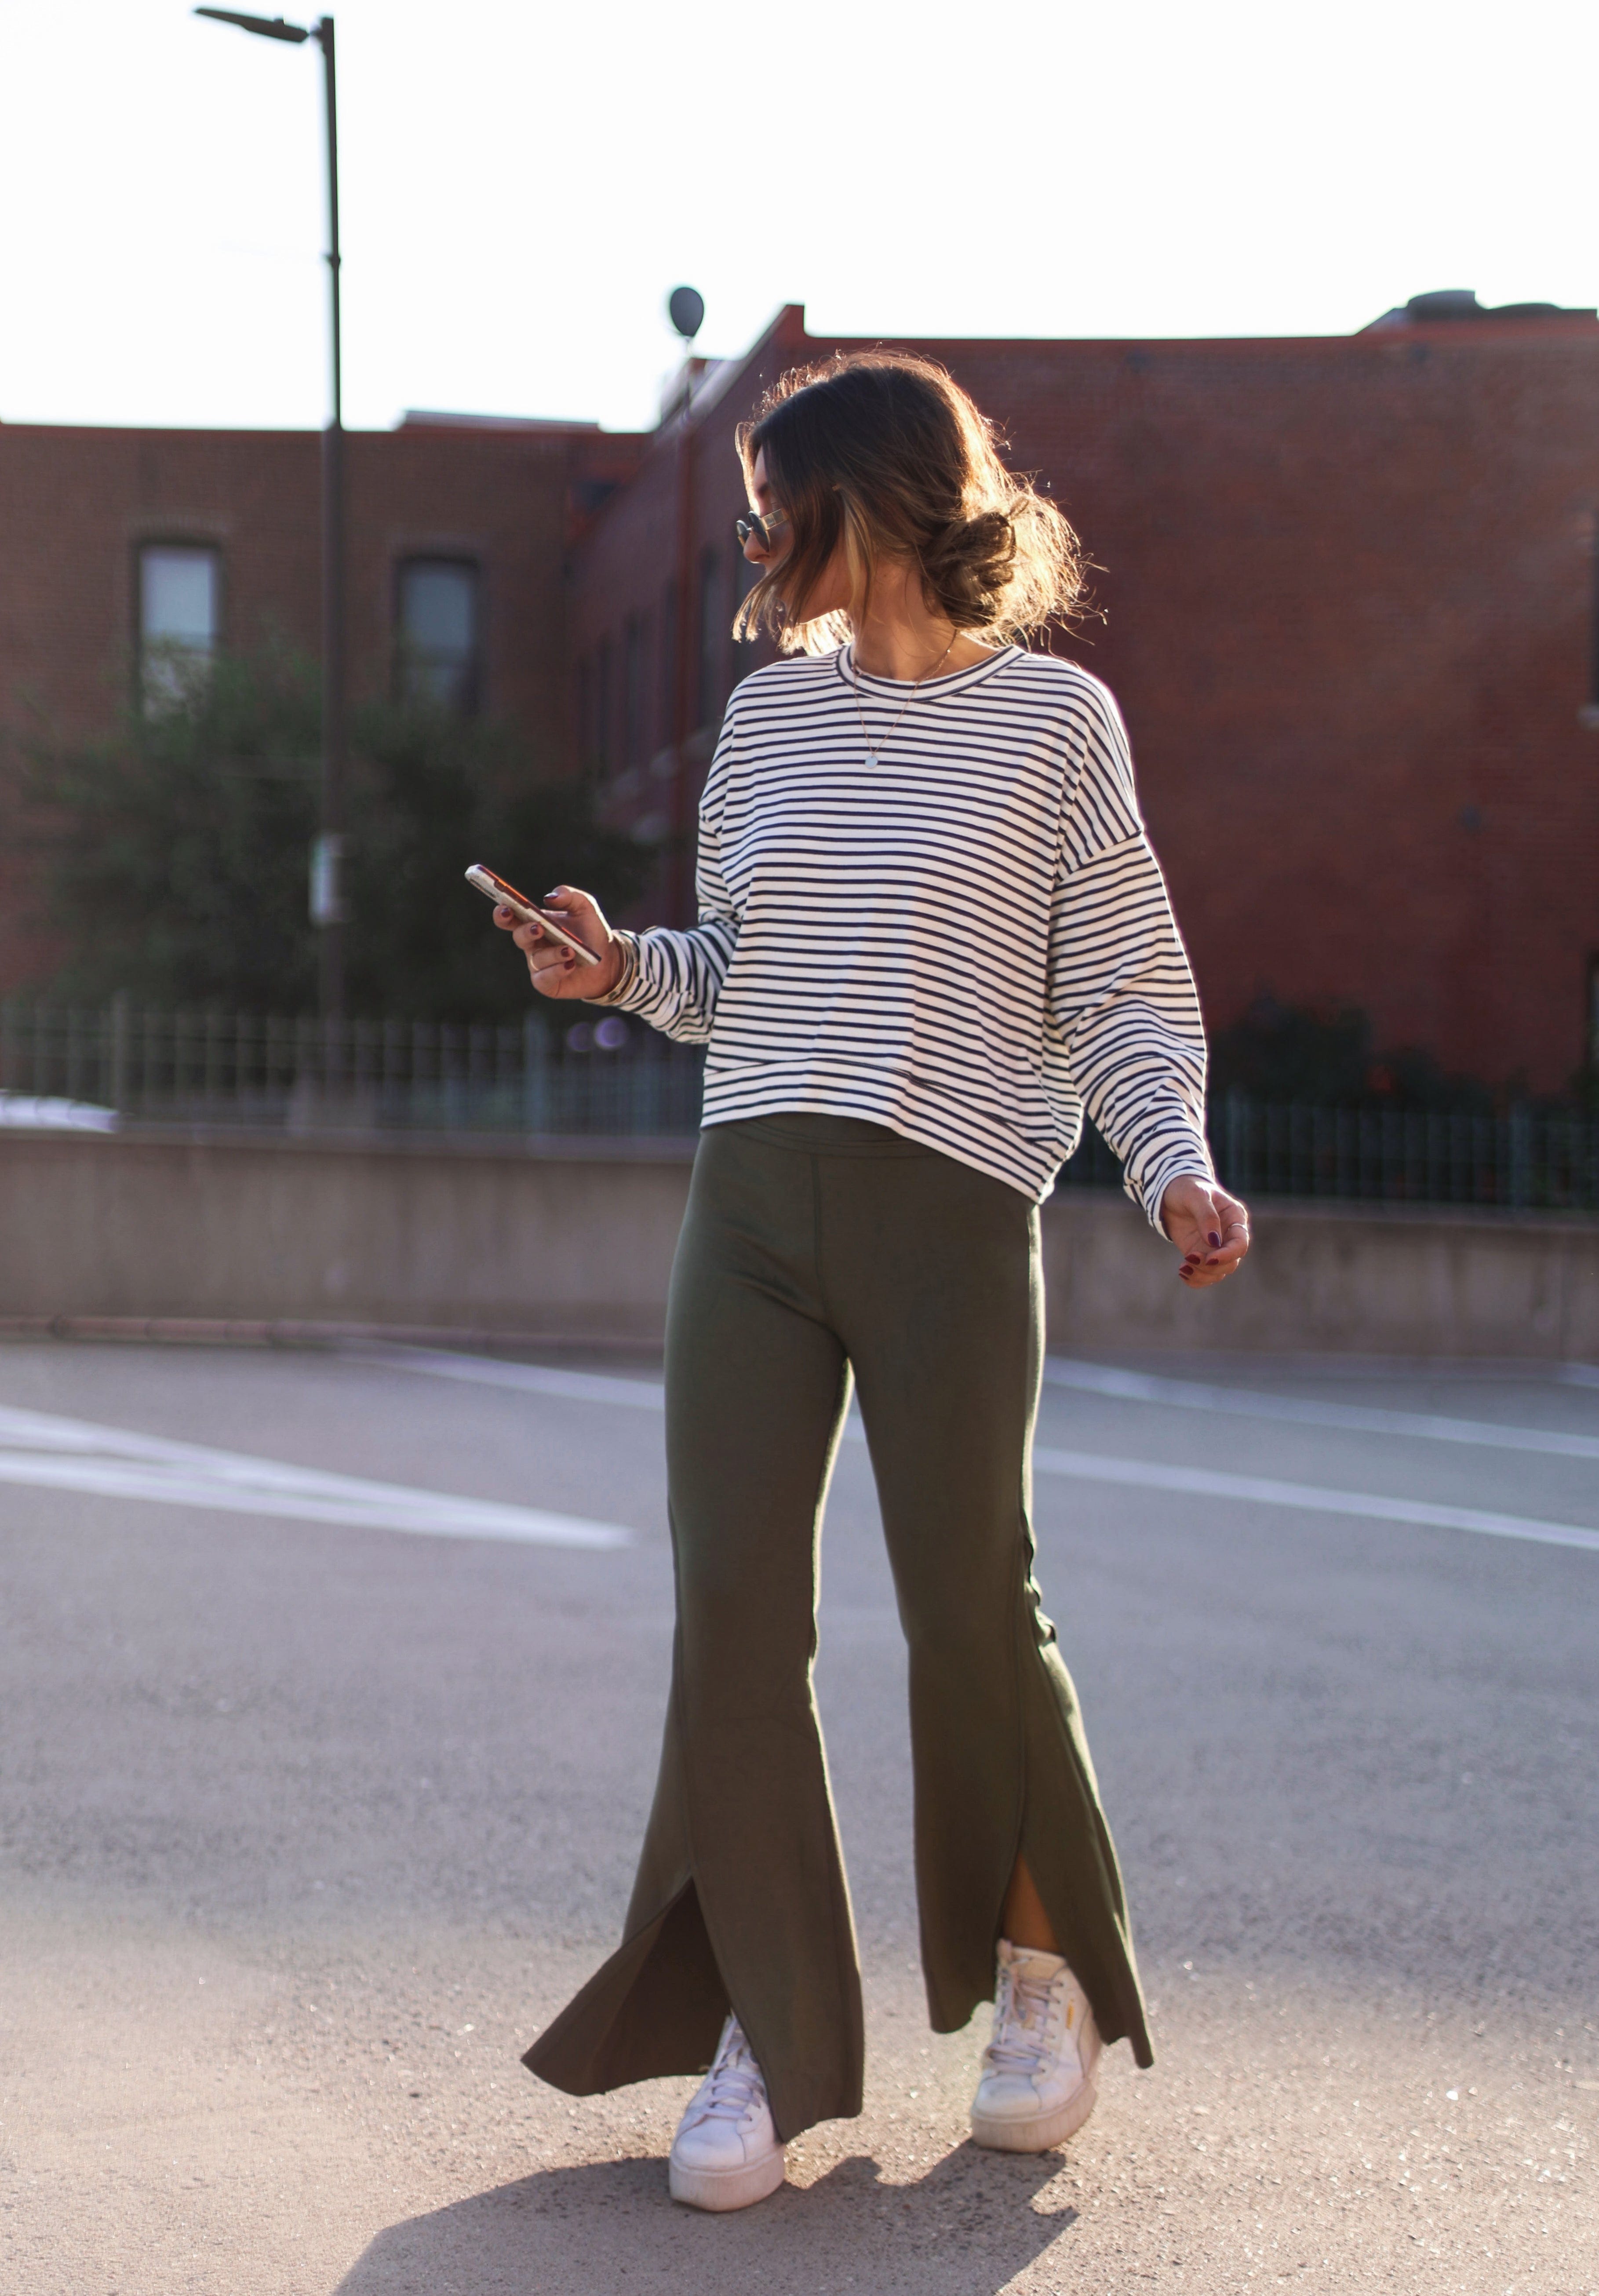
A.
pixel 555 971
pixel 1209 1228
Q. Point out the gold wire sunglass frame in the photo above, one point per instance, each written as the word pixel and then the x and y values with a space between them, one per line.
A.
pixel 759 527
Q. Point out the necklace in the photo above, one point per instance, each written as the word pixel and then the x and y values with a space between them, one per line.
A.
pixel 876 750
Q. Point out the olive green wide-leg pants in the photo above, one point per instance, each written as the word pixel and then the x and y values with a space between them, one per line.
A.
pixel 814 1246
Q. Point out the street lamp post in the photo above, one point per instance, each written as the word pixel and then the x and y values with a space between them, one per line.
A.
pixel 686 308
pixel 327 854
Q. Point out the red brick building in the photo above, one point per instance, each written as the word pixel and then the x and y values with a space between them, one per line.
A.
pixel 114 544
pixel 1349 589
pixel 1348 585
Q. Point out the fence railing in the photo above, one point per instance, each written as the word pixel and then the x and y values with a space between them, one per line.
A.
pixel 553 1076
pixel 590 1075
pixel 1523 1160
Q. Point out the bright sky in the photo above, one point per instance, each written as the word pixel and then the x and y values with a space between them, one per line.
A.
pixel 522 185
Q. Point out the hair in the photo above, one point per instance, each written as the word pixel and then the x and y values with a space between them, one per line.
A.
pixel 883 453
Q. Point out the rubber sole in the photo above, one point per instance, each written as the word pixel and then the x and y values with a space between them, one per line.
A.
pixel 1038 2131
pixel 726 2188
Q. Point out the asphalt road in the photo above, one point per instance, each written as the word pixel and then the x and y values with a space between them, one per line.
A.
pixel 329 1706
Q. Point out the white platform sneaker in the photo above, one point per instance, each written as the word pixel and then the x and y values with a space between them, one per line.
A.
pixel 1040 2076
pixel 726 2153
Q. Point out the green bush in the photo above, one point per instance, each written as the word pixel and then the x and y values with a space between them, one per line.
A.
pixel 1322 1056
pixel 173 856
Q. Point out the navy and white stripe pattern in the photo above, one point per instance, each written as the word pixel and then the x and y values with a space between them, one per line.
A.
pixel 968 940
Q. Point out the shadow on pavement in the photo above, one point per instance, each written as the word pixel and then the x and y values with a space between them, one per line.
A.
pixel 967 2227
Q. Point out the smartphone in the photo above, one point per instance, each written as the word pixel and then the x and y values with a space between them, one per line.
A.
pixel 506 897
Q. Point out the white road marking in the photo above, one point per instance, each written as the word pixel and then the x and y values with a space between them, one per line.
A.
pixel 39 1449
pixel 1304 1411
pixel 1086 1466
pixel 1205 1482
pixel 531 1378
pixel 1059 1371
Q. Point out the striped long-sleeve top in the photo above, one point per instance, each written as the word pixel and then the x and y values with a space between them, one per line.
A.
pixel 955 928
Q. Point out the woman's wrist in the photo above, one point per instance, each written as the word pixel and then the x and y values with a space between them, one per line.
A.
pixel 624 950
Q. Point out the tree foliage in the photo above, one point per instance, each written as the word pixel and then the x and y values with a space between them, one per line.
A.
pixel 173 856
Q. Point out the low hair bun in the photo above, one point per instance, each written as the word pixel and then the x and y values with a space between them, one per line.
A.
pixel 968 567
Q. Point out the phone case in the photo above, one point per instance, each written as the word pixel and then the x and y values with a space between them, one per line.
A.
pixel 504 895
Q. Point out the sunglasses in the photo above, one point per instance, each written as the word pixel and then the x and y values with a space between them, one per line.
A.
pixel 760 529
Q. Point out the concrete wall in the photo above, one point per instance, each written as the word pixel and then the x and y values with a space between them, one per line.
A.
pixel 1362 1279
pixel 474 1236
pixel 478 1238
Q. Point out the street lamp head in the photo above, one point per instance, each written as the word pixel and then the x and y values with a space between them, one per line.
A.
pixel 269 28
pixel 685 309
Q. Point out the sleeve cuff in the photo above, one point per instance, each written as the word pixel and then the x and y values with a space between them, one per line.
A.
pixel 1189 1167
pixel 628 976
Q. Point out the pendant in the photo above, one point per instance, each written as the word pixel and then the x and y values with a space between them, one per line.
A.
pixel 871 757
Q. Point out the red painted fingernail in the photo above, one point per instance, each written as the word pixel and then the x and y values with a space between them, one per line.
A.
pixel 1214 1241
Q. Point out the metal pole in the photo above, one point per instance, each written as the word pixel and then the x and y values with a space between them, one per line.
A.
pixel 681 896
pixel 328 903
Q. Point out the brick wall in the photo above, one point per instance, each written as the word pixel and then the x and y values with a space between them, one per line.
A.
pixel 668 533
pixel 1348 586
pixel 75 505
pixel 1348 590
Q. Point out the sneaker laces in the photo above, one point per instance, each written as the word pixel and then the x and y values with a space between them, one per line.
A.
pixel 735 2084
pixel 1021 2021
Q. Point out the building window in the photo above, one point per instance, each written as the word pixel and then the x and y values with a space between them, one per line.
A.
pixel 439 640
pixel 585 715
pixel 180 616
pixel 744 578
pixel 601 717
pixel 636 653
pixel 666 724
pixel 713 641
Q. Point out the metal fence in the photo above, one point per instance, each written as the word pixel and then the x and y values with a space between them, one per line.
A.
pixel 555 1076
pixel 1524 1160
pixel 605 1075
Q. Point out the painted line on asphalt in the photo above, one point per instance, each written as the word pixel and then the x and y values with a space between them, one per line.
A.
pixel 1059 1371
pixel 44 1452
pixel 1303 1411
pixel 1086 1466
pixel 527 1378
pixel 1315 1499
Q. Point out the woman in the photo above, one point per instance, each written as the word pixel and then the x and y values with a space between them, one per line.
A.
pixel 932 931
